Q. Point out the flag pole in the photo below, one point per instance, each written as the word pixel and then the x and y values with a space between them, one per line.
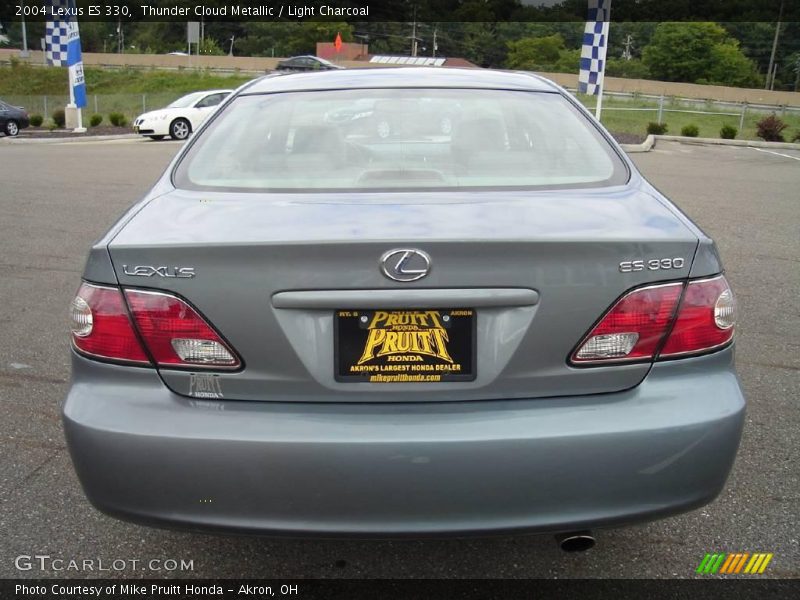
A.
pixel 77 82
pixel 79 124
pixel 607 29
pixel 599 108
pixel 80 128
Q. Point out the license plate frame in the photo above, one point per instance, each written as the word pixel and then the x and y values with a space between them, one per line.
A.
pixel 405 345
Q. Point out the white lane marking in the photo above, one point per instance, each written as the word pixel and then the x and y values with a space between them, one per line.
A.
pixel 125 141
pixel 777 153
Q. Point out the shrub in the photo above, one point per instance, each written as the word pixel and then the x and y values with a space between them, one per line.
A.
pixel 95 120
pixel 770 127
pixel 796 137
pixel 690 130
pixel 728 132
pixel 59 118
pixel 37 120
pixel 656 128
pixel 117 119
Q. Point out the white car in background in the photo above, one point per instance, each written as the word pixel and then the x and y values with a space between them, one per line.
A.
pixel 181 117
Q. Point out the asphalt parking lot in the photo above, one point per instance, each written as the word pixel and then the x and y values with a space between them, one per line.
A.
pixel 56 198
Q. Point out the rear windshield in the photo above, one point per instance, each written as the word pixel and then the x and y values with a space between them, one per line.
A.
pixel 392 139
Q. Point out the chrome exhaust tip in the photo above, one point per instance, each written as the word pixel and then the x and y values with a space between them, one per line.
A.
pixel 575 541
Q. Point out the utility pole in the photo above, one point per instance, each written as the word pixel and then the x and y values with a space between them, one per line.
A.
pixel 797 72
pixel 627 54
pixel 414 33
pixel 435 45
pixel 231 50
pixel 364 37
pixel 24 53
pixel 770 74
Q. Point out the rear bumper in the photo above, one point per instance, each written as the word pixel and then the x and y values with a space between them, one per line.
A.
pixel 145 454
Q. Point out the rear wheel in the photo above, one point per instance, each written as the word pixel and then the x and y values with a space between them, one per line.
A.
pixel 156 137
pixel 180 129
pixel 11 129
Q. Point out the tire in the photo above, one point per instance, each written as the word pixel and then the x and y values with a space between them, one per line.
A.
pixel 11 129
pixel 180 129
pixel 156 138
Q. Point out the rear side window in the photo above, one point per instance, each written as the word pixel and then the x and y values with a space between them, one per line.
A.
pixel 211 100
pixel 393 139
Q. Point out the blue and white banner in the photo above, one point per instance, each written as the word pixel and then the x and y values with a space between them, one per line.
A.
pixel 63 47
pixel 593 51
pixel 55 39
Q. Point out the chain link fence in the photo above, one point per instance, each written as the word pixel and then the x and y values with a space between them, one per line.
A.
pixel 623 112
pixel 130 105
pixel 630 112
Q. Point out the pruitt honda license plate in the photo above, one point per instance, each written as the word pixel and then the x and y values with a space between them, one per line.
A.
pixel 405 346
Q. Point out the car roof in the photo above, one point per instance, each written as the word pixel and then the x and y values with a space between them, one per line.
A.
pixel 401 77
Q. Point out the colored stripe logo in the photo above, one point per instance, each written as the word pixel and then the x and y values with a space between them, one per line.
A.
pixel 734 563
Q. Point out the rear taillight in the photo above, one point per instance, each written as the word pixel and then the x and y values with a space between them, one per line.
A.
pixel 101 326
pixel 705 321
pixel 635 327
pixel 175 334
pixel 170 330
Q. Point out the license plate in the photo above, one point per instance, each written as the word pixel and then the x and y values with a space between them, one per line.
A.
pixel 404 346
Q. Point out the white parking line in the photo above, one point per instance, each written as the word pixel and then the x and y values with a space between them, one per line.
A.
pixel 68 142
pixel 777 153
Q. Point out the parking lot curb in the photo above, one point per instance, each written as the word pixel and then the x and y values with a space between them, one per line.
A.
pixel 80 139
pixel 650 143
pixel 645 146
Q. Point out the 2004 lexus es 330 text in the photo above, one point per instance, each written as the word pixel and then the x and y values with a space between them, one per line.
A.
pixel 467 315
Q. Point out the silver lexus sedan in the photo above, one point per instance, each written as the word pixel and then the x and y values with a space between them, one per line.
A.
pixel 314 328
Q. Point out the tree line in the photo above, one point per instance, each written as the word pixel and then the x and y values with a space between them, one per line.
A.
pixel 730 53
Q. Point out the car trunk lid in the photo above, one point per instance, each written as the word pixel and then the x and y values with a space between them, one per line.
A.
pixel 272 271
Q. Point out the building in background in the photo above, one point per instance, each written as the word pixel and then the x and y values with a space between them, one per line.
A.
pixel 358 52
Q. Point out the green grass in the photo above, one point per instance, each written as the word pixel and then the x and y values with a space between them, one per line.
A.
pixel 129 91
pixel 26 80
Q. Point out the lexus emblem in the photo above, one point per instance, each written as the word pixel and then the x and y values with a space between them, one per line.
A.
pixel 405 264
